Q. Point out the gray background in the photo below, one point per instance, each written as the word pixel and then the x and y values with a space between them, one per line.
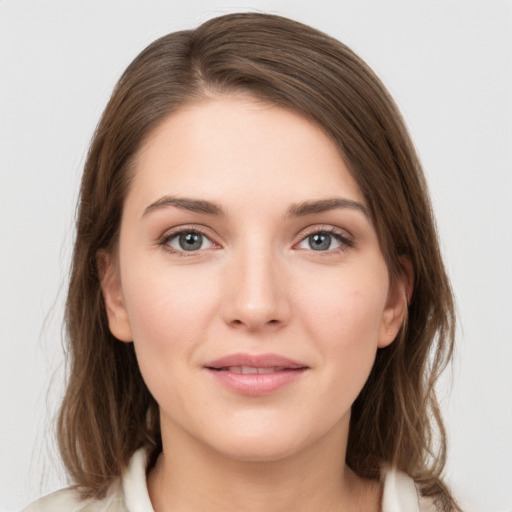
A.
pixel 449 66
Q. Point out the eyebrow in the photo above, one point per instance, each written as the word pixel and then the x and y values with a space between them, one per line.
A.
pixel 295 210
pixel 192 205
pixel 323 205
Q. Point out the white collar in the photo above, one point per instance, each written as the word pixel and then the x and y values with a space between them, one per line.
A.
pixel 399 494
pixel 135 485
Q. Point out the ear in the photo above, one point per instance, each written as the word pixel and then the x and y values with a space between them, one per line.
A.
pixel 399 297
pixel 108 270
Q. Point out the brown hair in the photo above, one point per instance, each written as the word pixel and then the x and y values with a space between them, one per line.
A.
pixel 107 412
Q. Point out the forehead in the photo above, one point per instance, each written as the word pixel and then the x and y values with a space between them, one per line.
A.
pixel 228 146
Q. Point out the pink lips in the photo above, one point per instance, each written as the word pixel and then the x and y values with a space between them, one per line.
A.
pixel 255 374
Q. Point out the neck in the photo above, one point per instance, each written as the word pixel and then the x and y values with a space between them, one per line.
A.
pixel 191 476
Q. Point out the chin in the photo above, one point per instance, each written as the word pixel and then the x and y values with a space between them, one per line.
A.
pixel 260 449
pixel 262 443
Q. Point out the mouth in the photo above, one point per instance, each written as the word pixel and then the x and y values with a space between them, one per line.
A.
pixel 254 363
pixel 251 370
pixel 255 375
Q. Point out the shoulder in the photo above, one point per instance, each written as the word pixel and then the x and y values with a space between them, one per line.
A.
pixel 68 500
pixel 127 494
pixel 401 494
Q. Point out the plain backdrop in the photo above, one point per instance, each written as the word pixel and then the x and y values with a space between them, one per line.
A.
pixel 449 66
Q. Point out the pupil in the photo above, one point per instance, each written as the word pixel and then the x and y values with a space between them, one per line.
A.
pixel 320 242
pixel 191 241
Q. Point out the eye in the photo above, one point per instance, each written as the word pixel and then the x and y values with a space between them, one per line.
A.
pixel 189 241
pixel 325 240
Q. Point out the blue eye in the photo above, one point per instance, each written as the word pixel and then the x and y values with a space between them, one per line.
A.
pixel 320 242
pixel 324 241
pixel 189 241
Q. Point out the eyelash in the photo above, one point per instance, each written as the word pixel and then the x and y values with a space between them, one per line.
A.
pixel 346 241
pixel 182 230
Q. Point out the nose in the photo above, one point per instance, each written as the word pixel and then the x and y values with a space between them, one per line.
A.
pixel 256 292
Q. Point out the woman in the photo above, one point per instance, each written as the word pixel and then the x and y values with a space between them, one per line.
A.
pixel 257 310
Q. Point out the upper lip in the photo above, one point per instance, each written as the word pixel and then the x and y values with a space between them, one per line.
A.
pixel 255 361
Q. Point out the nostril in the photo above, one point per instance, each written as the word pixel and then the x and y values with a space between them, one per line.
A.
pixel 237 322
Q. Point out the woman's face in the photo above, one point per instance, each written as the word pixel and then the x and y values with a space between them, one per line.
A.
pixel 250 279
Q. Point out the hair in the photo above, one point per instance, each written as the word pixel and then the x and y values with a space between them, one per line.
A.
pixel 107 412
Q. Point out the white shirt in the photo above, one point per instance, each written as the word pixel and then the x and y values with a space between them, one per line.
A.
pixel 130 494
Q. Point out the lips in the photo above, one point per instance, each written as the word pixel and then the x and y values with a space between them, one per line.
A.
pixel 261 361
pixel 255 374
pixel 247 370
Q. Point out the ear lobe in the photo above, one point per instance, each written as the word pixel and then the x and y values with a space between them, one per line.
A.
pixel 399 296
pixel 111 289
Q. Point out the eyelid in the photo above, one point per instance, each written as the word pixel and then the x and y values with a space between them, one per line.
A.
pixel 171 233
pixel 343 236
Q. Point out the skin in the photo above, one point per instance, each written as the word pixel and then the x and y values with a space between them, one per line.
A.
pixel 255 286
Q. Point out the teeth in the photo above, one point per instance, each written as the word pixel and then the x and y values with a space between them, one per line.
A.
pixel 247 370
pixel 268 370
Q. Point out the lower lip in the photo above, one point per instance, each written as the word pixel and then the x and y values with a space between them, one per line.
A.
pixel 256 384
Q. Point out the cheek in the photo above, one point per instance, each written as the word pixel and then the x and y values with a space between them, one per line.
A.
pixel 349 303
pixel 168 311
pixel 343 315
